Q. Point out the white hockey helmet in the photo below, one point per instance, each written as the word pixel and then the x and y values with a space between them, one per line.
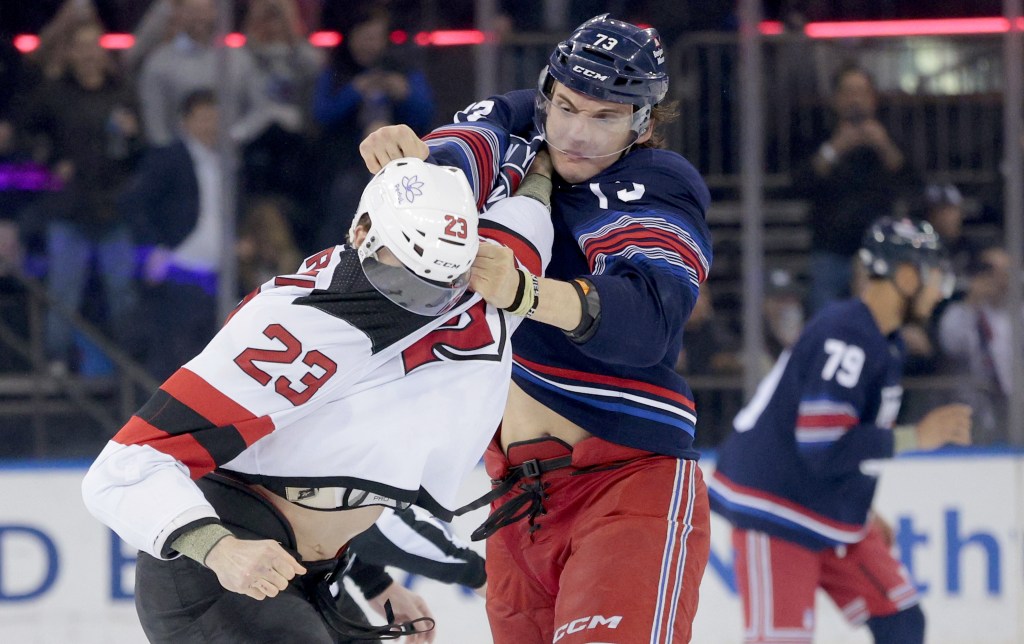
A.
pixel 426 216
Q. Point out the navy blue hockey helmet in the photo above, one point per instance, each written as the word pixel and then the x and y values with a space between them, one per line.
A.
pixel 891 241
pixel 610 60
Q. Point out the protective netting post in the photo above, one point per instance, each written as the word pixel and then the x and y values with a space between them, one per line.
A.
pixel 1013 206
pixel 751 189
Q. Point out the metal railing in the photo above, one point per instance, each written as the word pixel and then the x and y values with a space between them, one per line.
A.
pixel 940 99
pixel 40 393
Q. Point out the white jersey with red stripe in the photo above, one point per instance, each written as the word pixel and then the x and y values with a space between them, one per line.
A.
pixel 318 381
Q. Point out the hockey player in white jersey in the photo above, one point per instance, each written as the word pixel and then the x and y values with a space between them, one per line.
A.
pixel 369 379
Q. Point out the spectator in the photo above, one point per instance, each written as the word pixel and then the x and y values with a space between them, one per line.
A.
pixel 974 336
pixel 286 65
pixel 21 179
pixel 51 55
pixel 363 88
pixel 783 313
pixel 175 202
pixel 87 129
pixel 855 176
pixel 190 62
pixel 266 246
pixel 19 183
pixel 711 349
pixel 943 208
pixel 278 157
pixel 155 27
pixel 13 298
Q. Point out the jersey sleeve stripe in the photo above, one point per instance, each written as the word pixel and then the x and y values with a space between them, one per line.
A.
pixel 295 280
pixel 826 421
pixel 183 447
pixel 636 385
pixel 643 237
pixel 221 441
pixel 482 155
pixel 819 435
pixel 526 253
pixel 213 405
pixel 238 307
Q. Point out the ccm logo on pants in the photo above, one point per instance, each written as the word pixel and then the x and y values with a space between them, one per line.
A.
pixel 585 623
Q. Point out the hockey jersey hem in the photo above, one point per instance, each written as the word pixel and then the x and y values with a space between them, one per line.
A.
pixel 754 509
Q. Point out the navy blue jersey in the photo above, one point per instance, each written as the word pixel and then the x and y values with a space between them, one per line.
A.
pixel 637 231
pixel 792 466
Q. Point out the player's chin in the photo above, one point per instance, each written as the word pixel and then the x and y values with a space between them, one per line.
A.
pixel 574 169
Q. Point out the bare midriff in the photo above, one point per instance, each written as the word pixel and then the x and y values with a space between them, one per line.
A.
pixel 320 534
pixel 525 418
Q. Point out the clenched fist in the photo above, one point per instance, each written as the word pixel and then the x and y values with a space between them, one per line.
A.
pixel 259 569
pixel 494 275
pixel 948 424
pixel 389 143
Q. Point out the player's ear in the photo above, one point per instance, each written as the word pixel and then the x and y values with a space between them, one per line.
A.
pixel 357 232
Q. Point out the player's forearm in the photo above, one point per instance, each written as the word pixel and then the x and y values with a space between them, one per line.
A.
pixel 558 304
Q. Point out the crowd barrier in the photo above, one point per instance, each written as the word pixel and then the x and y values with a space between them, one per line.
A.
pixel 958 518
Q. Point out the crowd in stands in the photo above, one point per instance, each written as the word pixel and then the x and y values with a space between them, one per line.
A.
pixel 112 165
pixel 856 174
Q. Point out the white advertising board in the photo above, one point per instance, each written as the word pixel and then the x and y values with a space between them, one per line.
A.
pixel 959 523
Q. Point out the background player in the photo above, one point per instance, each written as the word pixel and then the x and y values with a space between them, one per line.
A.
pixel 790 476
pixel 595 448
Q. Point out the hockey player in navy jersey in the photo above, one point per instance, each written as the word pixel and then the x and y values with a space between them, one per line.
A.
pixel 594 461
pixel 327 396
pixel 790 477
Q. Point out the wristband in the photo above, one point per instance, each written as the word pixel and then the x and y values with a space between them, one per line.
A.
pixel 590 311
pixel 527 295
pixel 517 301
pixel 196 544
pixel 904 438
pixel 537 187
pixel 536 296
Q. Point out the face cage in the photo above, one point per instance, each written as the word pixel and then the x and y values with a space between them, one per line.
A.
pixel 600 129
pixel 405 288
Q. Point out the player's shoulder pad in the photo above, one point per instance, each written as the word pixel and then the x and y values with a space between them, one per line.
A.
pixel 511 112
pixel 850 322
pixel 675 179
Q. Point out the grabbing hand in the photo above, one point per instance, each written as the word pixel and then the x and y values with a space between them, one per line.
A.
pixel 542 165
pixel 494 275
pixel 259 569
pixel 389 143
pixel 407 606
pixel 948 424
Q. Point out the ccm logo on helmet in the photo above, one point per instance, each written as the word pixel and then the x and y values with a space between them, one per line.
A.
pixel 589 73
pixel 586 623
pixel 444 264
